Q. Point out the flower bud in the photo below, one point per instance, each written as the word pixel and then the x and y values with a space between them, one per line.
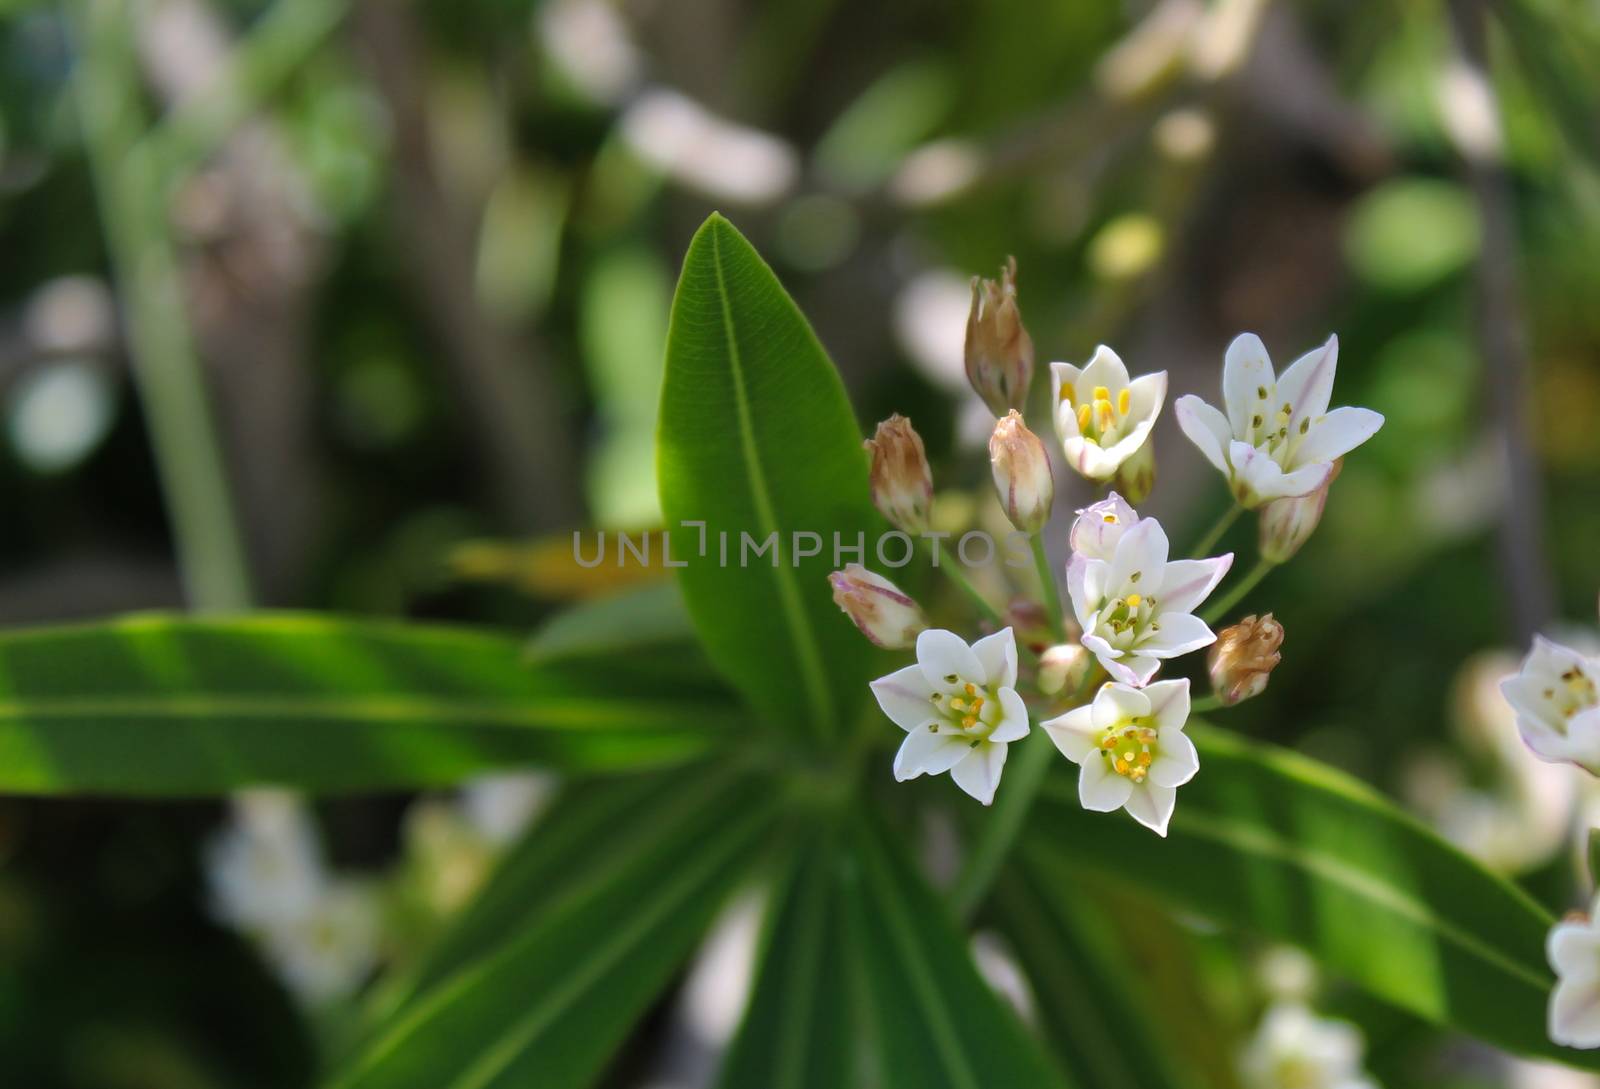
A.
pixel 1100 526
pixel 1136 477
pixel 1242 658
pixel 999 352
pixel 1286 524
pixel 902 483
pixel 1063 666
pixel 875 605
pixel 1022 473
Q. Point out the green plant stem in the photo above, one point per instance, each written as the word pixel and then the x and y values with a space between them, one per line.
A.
pixel 132 196
pixel 1047 582
pixel 1212 702
pixel 1214 534
pixel 945 562
pixel 1220 607
pixel 1013 802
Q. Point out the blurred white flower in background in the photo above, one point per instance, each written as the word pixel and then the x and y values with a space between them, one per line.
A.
pixel 930 323
pixel 328 951
pixel 589 43
pixel 499 807
pixel 1295 1049
pixel 703 152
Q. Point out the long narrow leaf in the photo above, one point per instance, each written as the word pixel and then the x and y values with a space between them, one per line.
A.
pixel 172 705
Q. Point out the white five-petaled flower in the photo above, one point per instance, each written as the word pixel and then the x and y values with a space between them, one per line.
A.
pixel 1137 608
pixel 1101 417
pixel 1131 749
pixel 959 707
pixel 1295 1049
pixel 1573 949
pixel 1557 700
pixel 1098 527
pixel 1278 437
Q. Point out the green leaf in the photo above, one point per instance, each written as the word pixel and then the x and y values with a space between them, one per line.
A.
pixel 172 705
pixel 620 626
pixel 934 1021
pixel 1084 972
pixel 758 439
pixel 1284 847
pixel 579 930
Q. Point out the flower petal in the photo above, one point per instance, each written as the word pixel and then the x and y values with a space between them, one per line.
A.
pixel 979 772
pixel 1575 1012
pixel 1105 368
pixel 1246 374
pixel 946 660
pixel 1073 733
pixel 1206 427
pixel 1117 703
pixel 1178 762
pixel 1013 724
pixel 1308 383
pixel 1142 551
pixel 1151 805
pixel 1336 434
pixel 1173 634
pixel 924 752
pixel 998 655
pixel 1100 789
pixel 1134 669
pixel 903 695
pixel 1146 395
pixel 1186 583
pixel 1572 947
pixel 1169 703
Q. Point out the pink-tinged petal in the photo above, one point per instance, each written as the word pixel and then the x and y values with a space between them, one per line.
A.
pixel 1186 583
pixel 1135 669
pixel 1100 789
pixel 946 660
pixel 924 752
pixel 1246 375
pixel 1308 383
pixel 1178 762
pixel 1083 596
pixel 1152 805
pixel 1105 368
pixel 1073 733
pixel 998 655
pixel 1013 724
pixel 1116 703
pixel 1206 427
pixel 1142 551
pixel 1333 436
pixel 1256 477
pixel 1127 446
pixel 979 772
pixel 1304 480
pixel 1094 462
pixel 1173 634
pixel 1169 703
pixel 1575 1012
pixel 903 695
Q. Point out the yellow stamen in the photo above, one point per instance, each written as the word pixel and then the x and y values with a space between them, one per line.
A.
pixel 1133 600
pixel 1066 393
pixel 972 689
pixel 1102 394
pixel 969 722
pixel 1123 400
pixel 1083 417
pixel 1105 414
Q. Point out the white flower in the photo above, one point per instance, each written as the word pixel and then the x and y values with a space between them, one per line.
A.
pixel 1101 417
pixel 330 950
pixel 1130 746
pixel 1137 608
pixel 1573 950
pixel 500 806
pixel 1557 701
pixel 265 864
pixel 1295 1049
pixel 959 708
pixel 1278 438
pixel 1099 527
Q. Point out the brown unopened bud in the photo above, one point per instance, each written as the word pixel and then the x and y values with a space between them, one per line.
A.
pixel 1022 475
pixel 1286 524
pixel 877 606
pixel 902 483
pixel 1063 666
pixel 1136 477
pixel 999 352
pixel 1243 657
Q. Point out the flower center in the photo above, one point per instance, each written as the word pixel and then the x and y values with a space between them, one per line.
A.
pixel 1128 618
pixel 1271 431
pixel 1130 748
pixel 1576 692
pixel 1102 419
pixel 972 711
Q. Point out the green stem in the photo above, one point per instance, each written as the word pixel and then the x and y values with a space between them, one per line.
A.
pixel 945 562
pixel 1220 607
pixel 1214 534
pixel 1212 702
pixel 1047 581
pixel 132 196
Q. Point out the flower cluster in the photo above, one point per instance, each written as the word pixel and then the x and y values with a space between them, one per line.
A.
pixel 1090 677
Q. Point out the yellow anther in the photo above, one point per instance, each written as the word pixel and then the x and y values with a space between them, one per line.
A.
pixel 1133 600
pixel 1102 394
pixel 972 689
pixel 1124 399
pixel 1122 766
pixel 1083 417
pixel 969 722
pixel 1067 392
pixel 1145 759
pixel 958 704
pixel 1105 414
pixel 1109 519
